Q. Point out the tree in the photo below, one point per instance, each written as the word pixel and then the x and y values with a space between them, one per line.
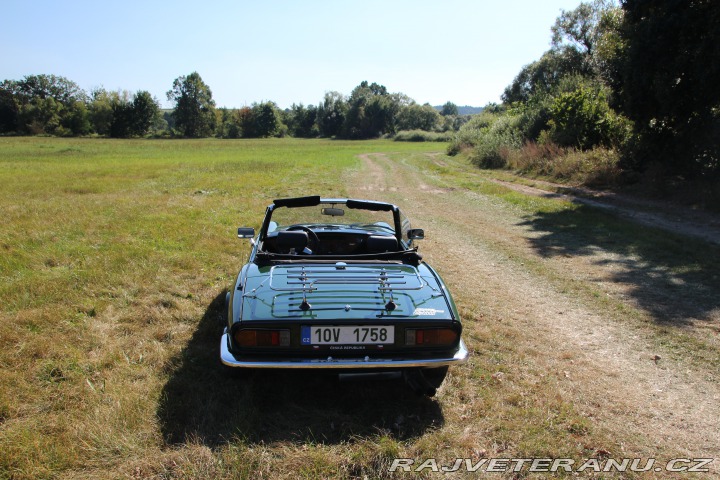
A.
pixel 101 110
pixel 230 126
pixel 266 120
pixel 121 123
pixel 132 118
pixel 372 111
pixel 301 121
pixel 418 117
pixel 592 30
pixel 43 101
pixel 331 114
pixel 583 43
pixel 541 76
pixel 244 119
pixel 262 120
pixel 8 111
pixel 76 120
pixel 449 109
pixel 668 83
pixel 145 112
pixel 49 86
pixel 583 28
pixel 40 115
pixel 194 108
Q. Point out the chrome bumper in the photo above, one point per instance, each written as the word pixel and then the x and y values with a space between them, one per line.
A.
pixel 228 359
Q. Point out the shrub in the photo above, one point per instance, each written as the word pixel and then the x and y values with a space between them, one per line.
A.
pixel 533 116
pixel 583 119
pixel 602 168
pixel 422 136
pixel 597 167
pixel 535 157
pixel 471 133
pixel 496 142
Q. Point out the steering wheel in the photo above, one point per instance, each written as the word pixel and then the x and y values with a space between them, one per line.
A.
pixel 314 239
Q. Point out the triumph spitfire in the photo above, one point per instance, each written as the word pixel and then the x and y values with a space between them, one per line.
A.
pixel 338 285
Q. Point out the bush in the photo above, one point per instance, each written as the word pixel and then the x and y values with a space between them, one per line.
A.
pixel 602 168
pixel 583 119
pixel 496 142
pixel 422 136
pixel 533 116
pixel 471 133
pixel 535 157
pixel 597 167
pixel 491 153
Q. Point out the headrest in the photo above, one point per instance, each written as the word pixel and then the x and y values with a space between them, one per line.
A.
pixel 380 244
pixel 292 239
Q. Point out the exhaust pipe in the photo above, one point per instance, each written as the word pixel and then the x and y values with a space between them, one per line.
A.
pixel 418 383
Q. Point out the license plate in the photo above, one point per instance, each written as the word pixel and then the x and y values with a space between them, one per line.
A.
pixel 347 335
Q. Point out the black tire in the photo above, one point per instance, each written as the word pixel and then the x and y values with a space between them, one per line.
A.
pixel 435 376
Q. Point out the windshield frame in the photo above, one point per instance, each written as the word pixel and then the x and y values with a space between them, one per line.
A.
pixel 396 227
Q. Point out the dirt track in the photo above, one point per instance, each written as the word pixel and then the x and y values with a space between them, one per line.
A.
pixel 614 372
pixel 651 213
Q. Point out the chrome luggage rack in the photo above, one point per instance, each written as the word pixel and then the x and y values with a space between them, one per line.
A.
pixel 313 278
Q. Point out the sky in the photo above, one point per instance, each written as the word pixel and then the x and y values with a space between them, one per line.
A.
pixel 248 51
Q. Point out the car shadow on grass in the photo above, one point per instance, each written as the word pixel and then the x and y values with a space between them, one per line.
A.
pixel 202 403
pixel 672 277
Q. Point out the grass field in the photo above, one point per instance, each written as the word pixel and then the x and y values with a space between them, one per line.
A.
pixel 114 256
pixel 115 259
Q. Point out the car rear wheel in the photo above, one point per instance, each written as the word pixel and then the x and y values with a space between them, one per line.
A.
pixel 435 376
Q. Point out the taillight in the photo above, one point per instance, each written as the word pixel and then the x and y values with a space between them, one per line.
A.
pixel 430 336
pixel 250 337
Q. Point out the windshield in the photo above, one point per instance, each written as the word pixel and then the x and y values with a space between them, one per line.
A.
pixel 332 214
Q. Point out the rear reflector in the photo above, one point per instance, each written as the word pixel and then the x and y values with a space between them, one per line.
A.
pixel 249 337
pixel 430 336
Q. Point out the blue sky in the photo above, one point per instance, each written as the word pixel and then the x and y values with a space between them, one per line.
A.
pixel 463 51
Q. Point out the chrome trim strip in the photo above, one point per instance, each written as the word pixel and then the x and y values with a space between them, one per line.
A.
pixel 326 363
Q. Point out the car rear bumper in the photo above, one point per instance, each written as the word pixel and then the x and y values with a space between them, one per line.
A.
pixel 229 359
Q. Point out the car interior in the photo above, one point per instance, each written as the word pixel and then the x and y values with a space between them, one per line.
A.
pixel 298 242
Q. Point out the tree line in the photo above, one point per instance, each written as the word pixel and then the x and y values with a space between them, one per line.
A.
pixel 53 105
pixel 637 79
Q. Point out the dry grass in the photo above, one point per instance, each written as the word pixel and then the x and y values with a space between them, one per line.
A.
pixel 606 320
pixel 116 256
pixel 597 168
pixel 112 253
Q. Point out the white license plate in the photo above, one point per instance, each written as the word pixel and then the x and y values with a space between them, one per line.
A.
pixel 347 335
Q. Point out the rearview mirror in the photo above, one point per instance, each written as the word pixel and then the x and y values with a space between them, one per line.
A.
pixel 416 234
pixel 333 212
pixel 246 232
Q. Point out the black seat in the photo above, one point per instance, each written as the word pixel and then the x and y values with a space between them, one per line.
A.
pixel 292 241
pixel 381 244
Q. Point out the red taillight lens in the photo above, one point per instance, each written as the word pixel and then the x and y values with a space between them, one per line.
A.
pixel 430 336
pixel 250 337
